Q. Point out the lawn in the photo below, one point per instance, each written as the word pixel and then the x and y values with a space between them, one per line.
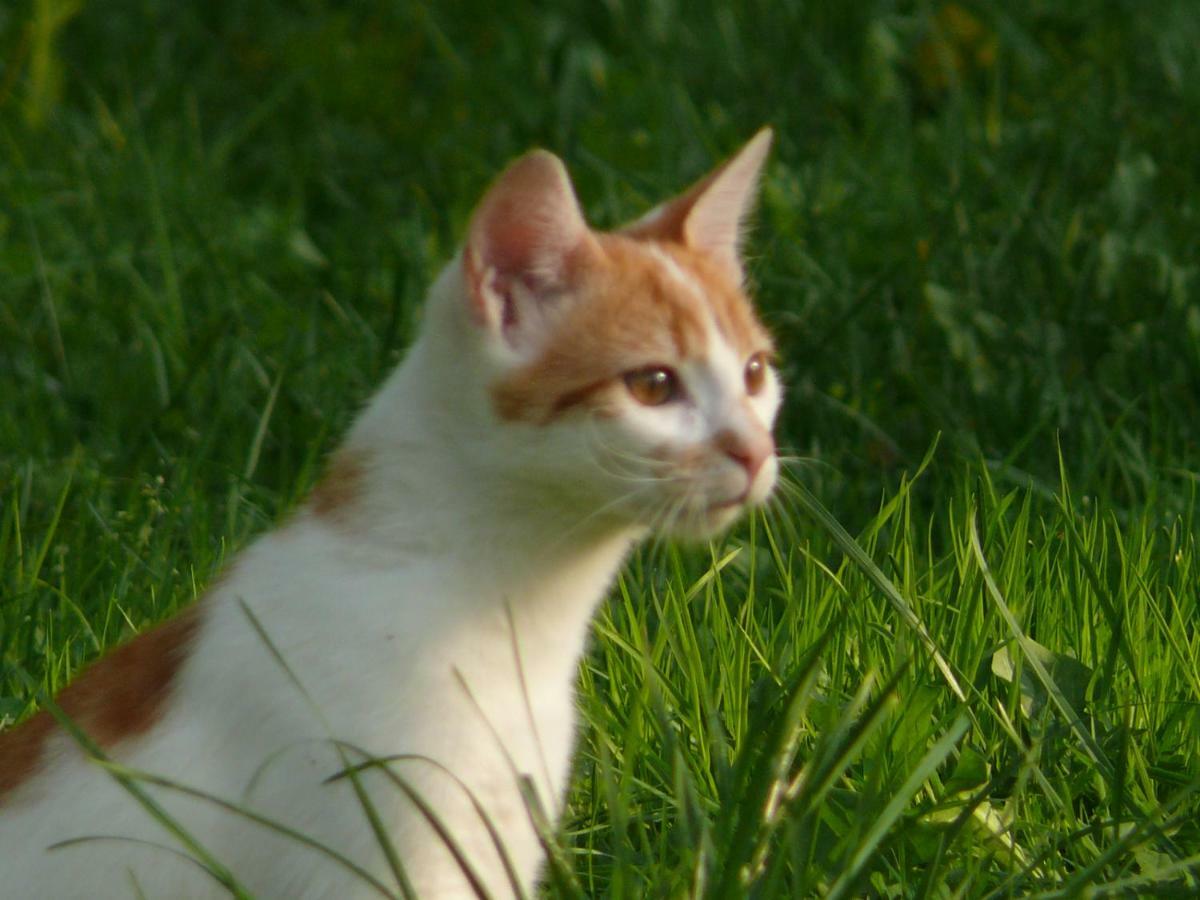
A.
pixel 957 657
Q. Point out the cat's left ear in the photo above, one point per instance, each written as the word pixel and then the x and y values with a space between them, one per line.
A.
pixel 711 215
pixel 527 247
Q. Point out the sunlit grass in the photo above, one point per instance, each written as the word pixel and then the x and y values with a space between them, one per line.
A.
pixel 1011 794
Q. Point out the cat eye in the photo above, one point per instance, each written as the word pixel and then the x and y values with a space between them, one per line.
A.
pixel 653 386
pixel 756 373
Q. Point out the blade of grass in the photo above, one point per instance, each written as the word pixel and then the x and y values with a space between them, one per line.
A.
pixel 382 762
pixel 1053 691
pixel 926 767
pixel 118 770
pixel 203 858
pixel 851 548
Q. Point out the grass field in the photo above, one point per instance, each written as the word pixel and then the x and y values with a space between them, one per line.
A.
pixel 977 246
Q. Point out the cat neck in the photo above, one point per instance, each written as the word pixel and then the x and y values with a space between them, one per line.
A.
pixel 429 480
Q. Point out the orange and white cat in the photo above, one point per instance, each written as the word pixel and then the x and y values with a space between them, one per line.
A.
pixel 571 391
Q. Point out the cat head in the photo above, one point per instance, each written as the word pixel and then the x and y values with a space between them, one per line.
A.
pixel 626 370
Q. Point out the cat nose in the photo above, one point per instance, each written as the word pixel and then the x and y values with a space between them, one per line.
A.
pixel 749 451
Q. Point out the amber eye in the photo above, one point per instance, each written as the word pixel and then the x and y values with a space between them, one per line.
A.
pixel 756 373
pixel 653 386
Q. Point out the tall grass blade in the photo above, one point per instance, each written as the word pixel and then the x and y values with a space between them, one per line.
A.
pixel 1032 658
pixel 926 767
pixel 851 548
pixel 206 860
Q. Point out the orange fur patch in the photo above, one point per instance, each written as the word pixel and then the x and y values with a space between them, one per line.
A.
pixel 631 312
pixel 120 696
pixel 341 487
pixel 21 751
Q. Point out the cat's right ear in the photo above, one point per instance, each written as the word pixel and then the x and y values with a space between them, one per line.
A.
pixel 711 215
pixel 526 247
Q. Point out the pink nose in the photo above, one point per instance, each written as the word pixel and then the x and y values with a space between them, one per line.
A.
pixel 749 451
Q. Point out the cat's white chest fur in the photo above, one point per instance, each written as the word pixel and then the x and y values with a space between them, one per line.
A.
pixel 419 621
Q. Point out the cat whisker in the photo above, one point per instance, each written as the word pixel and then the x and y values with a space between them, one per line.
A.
pixel 642 466
pixel 803 462
pixel 572 530
pixel 662 517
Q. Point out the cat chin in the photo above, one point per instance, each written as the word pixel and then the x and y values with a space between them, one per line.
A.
pixel 702 524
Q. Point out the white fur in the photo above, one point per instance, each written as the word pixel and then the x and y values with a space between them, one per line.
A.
pixel 445 618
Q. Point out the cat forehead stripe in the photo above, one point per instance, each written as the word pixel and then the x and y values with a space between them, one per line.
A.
pixel 725 300
pixel 727 304
pixel 673 269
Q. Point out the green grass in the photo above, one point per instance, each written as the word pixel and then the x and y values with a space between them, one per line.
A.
pixel 978 229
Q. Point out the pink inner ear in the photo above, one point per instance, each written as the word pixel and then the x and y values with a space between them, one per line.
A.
pixel 524 237
pixel 710 216
pixel 528 228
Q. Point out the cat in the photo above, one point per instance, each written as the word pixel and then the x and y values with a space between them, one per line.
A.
pixel 570 392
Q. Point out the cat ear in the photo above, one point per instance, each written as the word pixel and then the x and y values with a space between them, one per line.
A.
pixel 710 216
pixel 526 246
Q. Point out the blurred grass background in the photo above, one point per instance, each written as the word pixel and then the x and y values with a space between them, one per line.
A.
pixel 217 221
pixel 979 221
